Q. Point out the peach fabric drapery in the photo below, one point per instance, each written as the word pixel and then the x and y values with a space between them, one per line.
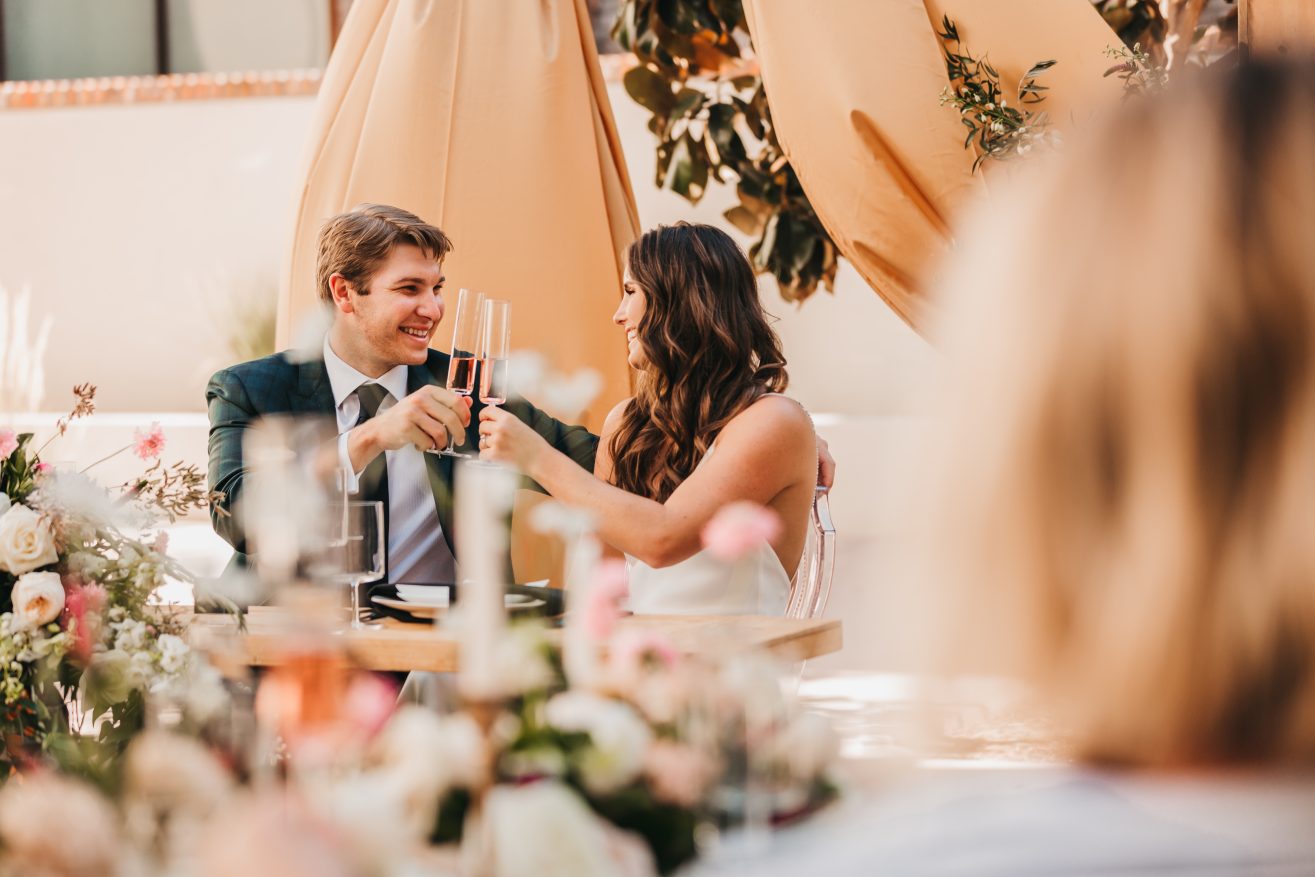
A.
pixel 854 87
pixel 490 119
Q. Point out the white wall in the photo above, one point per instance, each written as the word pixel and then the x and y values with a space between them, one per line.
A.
pixel 137 228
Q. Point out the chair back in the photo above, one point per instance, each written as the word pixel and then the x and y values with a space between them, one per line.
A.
pixel 812 581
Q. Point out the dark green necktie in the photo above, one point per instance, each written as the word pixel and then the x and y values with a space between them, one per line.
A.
pixel 373 485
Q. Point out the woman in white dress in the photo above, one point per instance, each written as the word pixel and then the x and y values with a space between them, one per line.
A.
pixel 707 426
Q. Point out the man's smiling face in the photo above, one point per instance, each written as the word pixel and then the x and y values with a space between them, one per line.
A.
pixel 394 323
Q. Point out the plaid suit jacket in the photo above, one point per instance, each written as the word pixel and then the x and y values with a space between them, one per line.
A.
pixel 238 396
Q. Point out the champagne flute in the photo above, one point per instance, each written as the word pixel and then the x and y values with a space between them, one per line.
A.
pixel 356 545
pixel 494 352
pixel 466 331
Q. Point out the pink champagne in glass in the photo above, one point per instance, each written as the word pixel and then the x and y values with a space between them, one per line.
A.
pixel 497 341
pixel 466 337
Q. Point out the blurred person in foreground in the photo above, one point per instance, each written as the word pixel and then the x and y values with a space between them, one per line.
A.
pixel 1123 505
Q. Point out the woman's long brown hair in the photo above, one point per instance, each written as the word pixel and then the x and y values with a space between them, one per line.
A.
pixel 708 349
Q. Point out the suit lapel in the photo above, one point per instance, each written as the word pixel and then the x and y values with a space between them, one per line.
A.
pixel 314 392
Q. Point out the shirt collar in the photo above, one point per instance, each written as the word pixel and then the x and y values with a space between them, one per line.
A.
pixel 344 379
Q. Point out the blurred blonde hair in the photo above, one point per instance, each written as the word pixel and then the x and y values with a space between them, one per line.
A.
pixel 1125 512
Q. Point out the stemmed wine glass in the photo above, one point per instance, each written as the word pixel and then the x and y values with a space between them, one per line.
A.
pixel 494 352
pixel 466 333
pixel 356 549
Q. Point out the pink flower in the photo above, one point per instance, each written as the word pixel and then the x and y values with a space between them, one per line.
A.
pixel 161 544
pixel 42 468
pixel 739 528
pixel 679 773
pixel 601 610
pixel 8 443
pixel 371 700
pixel 635 648
pixel 149 444
pixel 82 607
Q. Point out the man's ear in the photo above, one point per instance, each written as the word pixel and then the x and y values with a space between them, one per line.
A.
pixel 341 290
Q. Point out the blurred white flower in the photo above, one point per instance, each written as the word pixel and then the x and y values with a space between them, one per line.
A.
pixel 434 754
pixel 560 519
pixel 173 653
pixel 308 337
pixel 807 746
pixel 544 829
pixel 564 396
pixel 169 774
pixel 26 542
pixel 75 495
pixel 57 827
pixel 619 738
pixel 38 598
pixel 520 660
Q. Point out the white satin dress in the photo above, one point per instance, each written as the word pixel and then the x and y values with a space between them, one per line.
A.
pixel 757 584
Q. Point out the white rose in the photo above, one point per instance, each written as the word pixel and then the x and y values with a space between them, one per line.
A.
pixel 546 830
pixel 619 738
pixel 38 598
pixel 25 541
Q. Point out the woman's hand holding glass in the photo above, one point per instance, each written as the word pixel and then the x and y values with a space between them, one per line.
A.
pixel 504 438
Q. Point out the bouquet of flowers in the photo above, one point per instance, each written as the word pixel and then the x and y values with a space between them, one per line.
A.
pixel 79 639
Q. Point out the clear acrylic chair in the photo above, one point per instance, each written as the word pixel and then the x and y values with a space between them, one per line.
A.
pixel 812 581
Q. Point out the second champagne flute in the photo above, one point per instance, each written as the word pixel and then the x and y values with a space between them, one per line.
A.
pixel 495 349
pixel 465 351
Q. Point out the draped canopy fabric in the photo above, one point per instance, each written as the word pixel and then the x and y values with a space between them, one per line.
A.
pixel 854 98
pixel 490 119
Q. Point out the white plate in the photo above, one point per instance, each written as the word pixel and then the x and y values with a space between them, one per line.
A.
pixel 432 607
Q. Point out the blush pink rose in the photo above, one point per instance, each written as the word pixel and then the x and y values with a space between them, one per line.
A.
pixel 633 649
pixel 371 701
pixel 149 444
pixel 8 443
pixel 738 528
pixel 601 609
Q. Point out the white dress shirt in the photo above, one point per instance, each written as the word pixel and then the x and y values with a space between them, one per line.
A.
pixel 417 551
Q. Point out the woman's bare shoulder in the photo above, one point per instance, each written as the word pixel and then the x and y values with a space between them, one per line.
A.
pixel 773 415
pixel 613 420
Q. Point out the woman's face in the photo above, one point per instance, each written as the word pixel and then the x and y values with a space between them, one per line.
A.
pixel 628 315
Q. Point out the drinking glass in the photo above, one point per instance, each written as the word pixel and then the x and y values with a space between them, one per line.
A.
pixel 356 548
pixel 494 352
pixel 466 331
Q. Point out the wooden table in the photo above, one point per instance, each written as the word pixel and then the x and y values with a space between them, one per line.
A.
pixel 397 645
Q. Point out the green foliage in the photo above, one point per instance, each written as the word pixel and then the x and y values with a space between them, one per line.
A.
pixel 713 123
pixel 668 829
pixel 1139 72
pixel 18 470
pixel 999 130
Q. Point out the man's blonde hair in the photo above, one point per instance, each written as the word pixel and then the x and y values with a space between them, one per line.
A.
pixel 354 244
pixel 1126 501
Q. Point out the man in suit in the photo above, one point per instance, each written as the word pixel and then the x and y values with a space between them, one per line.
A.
pixel 380 269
